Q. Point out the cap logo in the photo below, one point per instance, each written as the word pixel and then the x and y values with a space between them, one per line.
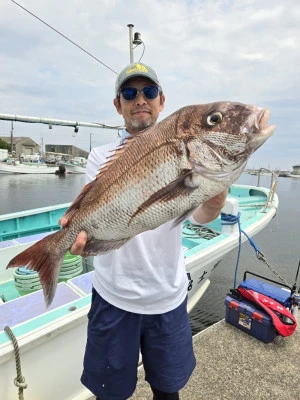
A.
pixel 137 68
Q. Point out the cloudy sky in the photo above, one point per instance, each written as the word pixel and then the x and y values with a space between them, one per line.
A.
pixel 204 51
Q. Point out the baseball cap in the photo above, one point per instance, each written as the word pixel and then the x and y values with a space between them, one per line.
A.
pixel 133 70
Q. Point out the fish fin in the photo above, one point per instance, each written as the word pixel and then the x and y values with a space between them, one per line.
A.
pixel 179 186
pixel 183 217
pixel 74 207
pixel 94 246
pixel 116 153
pixel 46 261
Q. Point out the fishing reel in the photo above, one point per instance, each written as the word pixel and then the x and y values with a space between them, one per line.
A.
pixel 295 302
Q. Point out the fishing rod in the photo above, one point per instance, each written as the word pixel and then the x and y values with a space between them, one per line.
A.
pixel 295 295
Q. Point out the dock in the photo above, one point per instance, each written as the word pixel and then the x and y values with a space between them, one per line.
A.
pixel 232 365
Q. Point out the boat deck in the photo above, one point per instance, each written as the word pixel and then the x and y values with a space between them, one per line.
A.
pixel 232 365
pixel 26 312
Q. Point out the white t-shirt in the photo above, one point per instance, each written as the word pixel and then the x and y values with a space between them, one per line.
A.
pixel 147 275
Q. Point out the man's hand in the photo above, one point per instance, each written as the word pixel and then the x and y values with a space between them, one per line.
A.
pixel 81 239
pixel 211 209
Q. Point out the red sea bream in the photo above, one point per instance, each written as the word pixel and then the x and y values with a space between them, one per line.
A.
pixel 162 173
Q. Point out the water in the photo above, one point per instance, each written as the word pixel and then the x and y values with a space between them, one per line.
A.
pixel 279 241
pixel 24 192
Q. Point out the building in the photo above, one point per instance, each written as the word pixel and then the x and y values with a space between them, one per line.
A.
pixel 26 146
pixel 65 150
pixel 296 169
pixel 22 145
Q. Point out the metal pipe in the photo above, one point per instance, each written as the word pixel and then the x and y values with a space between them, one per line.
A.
pixel 130 26
pixel 49 121
pixel 12 137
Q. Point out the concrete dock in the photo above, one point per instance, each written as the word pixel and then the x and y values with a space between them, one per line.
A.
pixel 232 365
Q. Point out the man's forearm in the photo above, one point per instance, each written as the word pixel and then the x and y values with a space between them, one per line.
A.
pixel 204 214
pixel 211 209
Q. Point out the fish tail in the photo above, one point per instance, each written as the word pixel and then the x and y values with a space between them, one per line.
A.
pixel 46 258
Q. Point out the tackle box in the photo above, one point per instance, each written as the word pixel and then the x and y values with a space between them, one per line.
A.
pixel 280 294
pixel 250 319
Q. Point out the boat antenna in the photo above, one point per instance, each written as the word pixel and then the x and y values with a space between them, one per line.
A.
pixel 136 40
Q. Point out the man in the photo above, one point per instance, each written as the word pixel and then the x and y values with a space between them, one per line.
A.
pixel 140 290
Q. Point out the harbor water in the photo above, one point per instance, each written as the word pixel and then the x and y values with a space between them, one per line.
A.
pixel 279 241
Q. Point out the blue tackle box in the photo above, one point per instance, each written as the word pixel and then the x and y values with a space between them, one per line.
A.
pixel 254 321
pixel 283 296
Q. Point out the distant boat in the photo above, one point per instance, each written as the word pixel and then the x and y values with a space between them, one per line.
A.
pixel 284 173
pixel 263 172
pixel 54 339
pixel 294 175
pixel 27 168
pixel 72 168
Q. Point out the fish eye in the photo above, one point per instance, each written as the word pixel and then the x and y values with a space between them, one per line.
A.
pixel 214 118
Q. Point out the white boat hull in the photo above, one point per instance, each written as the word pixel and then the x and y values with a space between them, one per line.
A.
pixel 294 175
pixel 27 169
pixel 51 361
pixel 73 169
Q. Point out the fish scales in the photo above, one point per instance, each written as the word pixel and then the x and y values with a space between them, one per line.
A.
pixel 148 175
pixel 158 175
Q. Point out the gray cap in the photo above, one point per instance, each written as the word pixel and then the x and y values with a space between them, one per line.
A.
pixel 133 70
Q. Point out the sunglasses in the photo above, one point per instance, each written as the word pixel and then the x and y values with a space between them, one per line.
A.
pixel 150 92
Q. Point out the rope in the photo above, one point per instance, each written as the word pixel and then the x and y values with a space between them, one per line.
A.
pixel 192 231
pixel 229 219
pixel 19 381
pixel 261 257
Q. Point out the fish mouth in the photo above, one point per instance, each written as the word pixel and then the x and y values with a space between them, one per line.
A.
pixel 256 125
pixel 262 123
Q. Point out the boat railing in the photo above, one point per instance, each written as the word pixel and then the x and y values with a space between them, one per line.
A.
pixel 273 184
pixel 263 171
pixel 270 195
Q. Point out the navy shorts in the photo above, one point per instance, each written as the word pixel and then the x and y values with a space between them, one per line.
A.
pixel 115 338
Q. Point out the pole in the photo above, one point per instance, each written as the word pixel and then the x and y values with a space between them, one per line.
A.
pixel 130 26
pixel 12 137
pixel 42 147
pixel 90 142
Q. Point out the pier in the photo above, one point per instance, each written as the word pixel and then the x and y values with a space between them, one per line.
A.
pixel 232 365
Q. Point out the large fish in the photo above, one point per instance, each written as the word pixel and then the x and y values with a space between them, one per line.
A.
pixel 160 174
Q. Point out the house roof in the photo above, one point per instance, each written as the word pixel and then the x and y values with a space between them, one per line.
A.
pixel 20 139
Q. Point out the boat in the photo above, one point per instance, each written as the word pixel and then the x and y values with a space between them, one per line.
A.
pixel 16 167
pixel 54 339
pixel 284 173
pixel 296 171
pixel 72 167
pixel 294 175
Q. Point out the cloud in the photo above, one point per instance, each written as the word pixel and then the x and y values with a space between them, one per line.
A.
pixel 253 57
